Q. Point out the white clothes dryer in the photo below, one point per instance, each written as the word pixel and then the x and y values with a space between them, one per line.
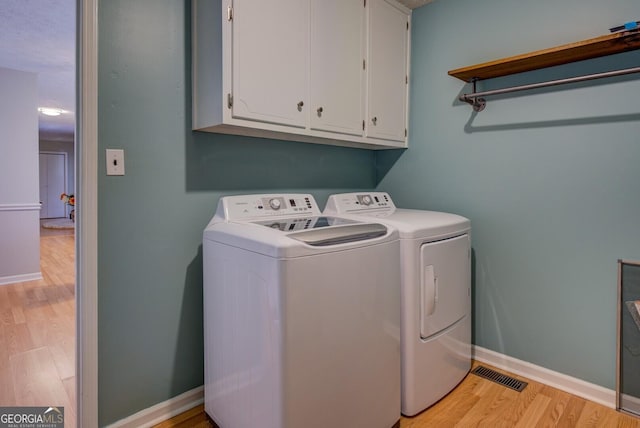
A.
pixel 435 250
pixel 301 316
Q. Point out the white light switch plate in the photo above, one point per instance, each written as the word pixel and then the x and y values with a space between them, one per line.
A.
pixel 115 162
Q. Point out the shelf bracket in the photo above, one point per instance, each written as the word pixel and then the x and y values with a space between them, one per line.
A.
pixel 478 102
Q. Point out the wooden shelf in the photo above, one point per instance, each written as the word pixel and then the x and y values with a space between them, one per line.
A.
pixel 592 48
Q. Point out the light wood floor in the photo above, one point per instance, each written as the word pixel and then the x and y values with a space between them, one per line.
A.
pixel 477 402
pixel 37 332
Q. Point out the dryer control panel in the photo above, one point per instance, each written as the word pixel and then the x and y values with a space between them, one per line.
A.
pixel 359 202
pixel 252 207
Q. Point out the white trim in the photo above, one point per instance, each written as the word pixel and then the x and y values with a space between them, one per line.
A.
pixel 87 225
pixel 572 385
pixel 162 411
pixel 34 206
pixel 4 280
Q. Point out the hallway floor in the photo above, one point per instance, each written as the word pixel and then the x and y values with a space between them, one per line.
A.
pixel 37 331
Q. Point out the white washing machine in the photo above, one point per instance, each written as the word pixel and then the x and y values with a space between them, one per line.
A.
pixel 301 316
pixel 435 253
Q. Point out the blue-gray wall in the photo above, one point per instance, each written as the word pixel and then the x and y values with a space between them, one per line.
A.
pixel 550 180
pixel 151 220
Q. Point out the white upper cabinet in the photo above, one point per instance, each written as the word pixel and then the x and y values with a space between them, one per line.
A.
pixel 337 72
pixel 270 61
pixel 314 71
pixel 388 71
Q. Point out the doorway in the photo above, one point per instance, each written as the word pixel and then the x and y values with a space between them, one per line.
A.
pixel 38 332
pixel 53 183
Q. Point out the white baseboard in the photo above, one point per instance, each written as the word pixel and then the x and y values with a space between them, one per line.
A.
pixel 4 280
pixel 572 385
pixel 162 411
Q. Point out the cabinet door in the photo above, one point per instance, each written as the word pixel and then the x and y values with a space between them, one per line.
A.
pixel 337 75
pixel 387 74
pixel 270 58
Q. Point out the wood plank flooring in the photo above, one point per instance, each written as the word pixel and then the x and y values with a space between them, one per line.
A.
pixel 478 402
pixel 37 332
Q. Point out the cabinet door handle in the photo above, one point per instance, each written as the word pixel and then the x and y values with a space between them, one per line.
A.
pixel 374 120
pixel 300 104
pixel 320 110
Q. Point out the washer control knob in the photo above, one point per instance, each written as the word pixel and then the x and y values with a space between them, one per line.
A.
pixel 275 204
pixel 366 200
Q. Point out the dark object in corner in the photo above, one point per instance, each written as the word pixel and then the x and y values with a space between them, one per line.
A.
pixel 633 25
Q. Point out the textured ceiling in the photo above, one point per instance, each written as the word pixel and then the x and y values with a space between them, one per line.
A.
pixel 39 36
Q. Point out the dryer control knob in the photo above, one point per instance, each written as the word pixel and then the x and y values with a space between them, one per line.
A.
pixel 366 199
pixel 275 204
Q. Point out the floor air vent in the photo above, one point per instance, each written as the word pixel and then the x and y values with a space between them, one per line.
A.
pixel 496 377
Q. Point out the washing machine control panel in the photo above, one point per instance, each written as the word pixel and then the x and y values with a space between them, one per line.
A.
pixel 249 207
pixel 365 200
pixel 359 202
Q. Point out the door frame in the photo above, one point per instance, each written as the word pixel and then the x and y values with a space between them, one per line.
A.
pixel 86 161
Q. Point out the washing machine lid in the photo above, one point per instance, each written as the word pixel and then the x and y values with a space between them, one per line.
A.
pixel 290 224
pixel 277 243
pixel 340 235
pixel 322 231
pixel 294 229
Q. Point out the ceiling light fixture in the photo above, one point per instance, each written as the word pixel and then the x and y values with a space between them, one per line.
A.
pixel 47 111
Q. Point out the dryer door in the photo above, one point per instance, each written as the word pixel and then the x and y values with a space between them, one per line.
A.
pixel 445 291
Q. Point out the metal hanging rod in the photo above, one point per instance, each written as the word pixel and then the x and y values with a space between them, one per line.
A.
pixel 476 100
